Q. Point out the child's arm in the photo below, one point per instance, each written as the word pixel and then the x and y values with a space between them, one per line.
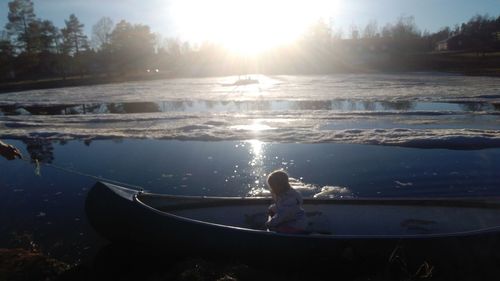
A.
pixel 285 212
pixel 271 210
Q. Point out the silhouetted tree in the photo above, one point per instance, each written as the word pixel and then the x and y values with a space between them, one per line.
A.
pixel 318 37
pixel 172 47
pixel 101 33
pixel 405 28
pixel 35 48
pixel 74 39
pixel 371 30
pixel 480 34
pixel 131 46
pixel 48 48
pixel 387 31
pixel 21 16
pixel 320 31
pixel 49 37
pixel 354 31
pixel 74 47
pixel 6 59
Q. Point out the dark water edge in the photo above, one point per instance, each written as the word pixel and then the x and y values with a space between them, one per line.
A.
pixel 45 212
pixel 27 85
pixel 336 105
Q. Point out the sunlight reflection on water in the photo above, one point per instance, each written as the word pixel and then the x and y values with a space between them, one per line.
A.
pixel 256 164
pixel 255 126
pixel 259 170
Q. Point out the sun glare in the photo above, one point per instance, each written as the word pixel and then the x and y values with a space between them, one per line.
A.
pixel 248 27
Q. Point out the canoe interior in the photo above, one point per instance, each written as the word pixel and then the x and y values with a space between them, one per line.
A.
pixel 327 217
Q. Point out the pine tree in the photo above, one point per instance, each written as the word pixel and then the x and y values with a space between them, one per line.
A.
pixel 49 37
pixel 74 39
pixel 21 19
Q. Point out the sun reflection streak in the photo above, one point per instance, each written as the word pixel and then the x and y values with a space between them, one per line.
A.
pixel 257 151
pixel 256 148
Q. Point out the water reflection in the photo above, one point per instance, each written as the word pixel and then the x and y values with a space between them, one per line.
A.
pixel 72 109
pixel 135 107
pixel 236 106
pixel 474 106
pixel 398 105
pixel 257 167
pixel 316 105
pixel 40 150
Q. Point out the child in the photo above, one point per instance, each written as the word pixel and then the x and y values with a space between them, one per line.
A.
pixel 286 214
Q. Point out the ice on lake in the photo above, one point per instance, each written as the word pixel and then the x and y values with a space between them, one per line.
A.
pixel 425 110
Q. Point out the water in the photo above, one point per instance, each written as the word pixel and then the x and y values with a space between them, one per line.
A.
pixel 415 135
pixel 49 207
pixel 436 87
pixel 420 110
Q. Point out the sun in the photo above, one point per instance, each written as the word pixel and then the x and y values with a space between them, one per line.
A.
pixel 248 27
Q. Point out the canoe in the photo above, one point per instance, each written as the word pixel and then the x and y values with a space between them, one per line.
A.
pixel 233 226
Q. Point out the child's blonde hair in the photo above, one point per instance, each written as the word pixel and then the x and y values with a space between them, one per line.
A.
pixel 278 182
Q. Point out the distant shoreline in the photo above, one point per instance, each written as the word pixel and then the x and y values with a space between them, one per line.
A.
pixel 27 85
pixel 54 83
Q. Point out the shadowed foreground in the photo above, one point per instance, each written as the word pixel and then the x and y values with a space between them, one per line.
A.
pixel 122 262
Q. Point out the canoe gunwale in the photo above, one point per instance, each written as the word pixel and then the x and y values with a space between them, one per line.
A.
pixel 137 200
pixel 462 202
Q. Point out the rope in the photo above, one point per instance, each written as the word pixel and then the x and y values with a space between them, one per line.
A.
pixel 72 171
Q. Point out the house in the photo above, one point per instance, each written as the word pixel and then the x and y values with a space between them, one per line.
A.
pixel 442 45
pixel 453 43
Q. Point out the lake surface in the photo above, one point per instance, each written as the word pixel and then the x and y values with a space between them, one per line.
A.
pixel 423 110
pixel 49 207
pixel 412 135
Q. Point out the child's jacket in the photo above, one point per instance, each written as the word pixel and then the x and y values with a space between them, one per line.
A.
pixel 288 211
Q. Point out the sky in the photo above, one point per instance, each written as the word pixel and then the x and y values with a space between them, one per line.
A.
pixel 193 19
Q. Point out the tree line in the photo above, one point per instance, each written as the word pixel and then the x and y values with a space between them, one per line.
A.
pixel 34 48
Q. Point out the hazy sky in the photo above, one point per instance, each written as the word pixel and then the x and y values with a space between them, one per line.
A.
pixel 169 17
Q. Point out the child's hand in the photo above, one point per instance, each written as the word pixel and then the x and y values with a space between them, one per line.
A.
pixel 9 152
